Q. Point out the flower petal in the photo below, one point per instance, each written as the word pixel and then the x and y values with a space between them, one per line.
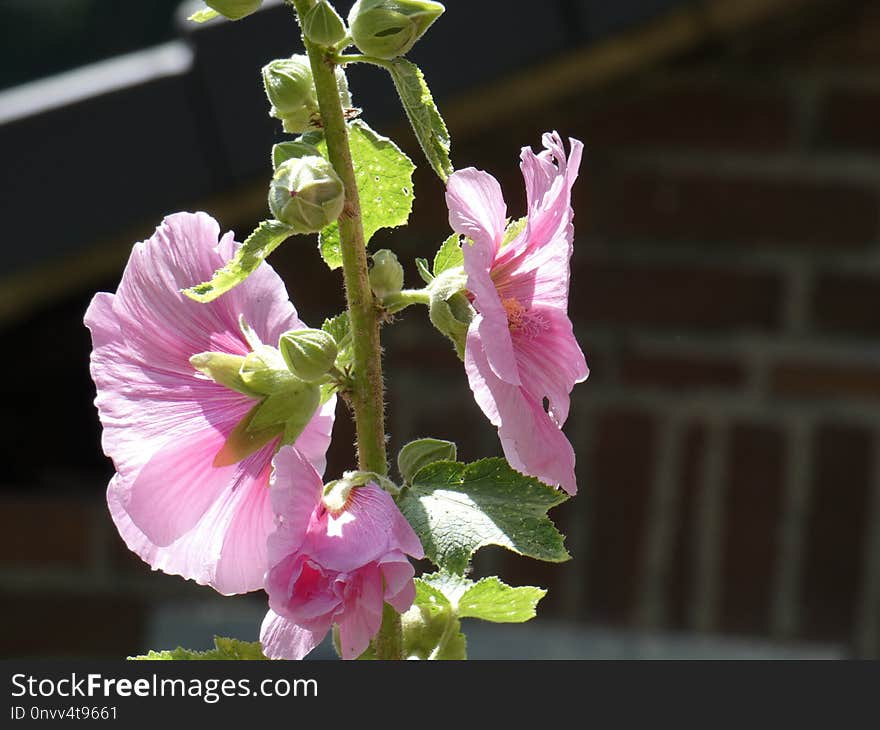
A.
pixel 551 362
pixel 296 493
pixel 398 572
pixel 370 527
pixel 283 639
pixel 477 209
pixel 532 443
pixel 363 614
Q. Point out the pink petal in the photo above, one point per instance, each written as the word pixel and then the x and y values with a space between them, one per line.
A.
pixel 225 549
pixel 477 209
pixel 551 362
pixel 248 520
pixel 370 527
pixel 283 639
pixel 532 443
pixel 535 268
pixel 178 484
pixel 295 493
pixel 398 572
pixel 314 441
pixel 165 327
pixel 362 619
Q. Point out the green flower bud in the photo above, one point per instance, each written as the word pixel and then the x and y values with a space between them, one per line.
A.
pixel 417 454
pixel 290 88
pixel 306 193
pixel 308 353
pixel 386 275
pixel 291 91
pixel 223 369
pixel 234 9
pixel 264 371
pixel 323 26
pixel 389 28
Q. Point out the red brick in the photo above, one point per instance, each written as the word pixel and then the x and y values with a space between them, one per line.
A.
pixel 72 625
pixel 754 493
pixel 847 304
pixel 682 297
pixel 678 372
pixel 850 38
pixel 743 211
pixel 683 557
pixel 46 530
pixel 708 115
pixel 842 466
pixel 825 380
pixel 623 466
pixel 849 121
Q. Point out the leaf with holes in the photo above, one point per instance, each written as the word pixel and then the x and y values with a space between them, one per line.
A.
pixel 455 509
pixel 263 241
pixel 384 180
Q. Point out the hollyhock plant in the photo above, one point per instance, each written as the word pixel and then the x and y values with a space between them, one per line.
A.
pixel 520 347
pixel 217 403
pixel 179 499
pixel 335 557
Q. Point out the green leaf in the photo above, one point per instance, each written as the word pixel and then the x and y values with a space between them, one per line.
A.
pixel 265 239
pixel 421 452
pixel 431 629
pixel 455 509
pixel 203 15
pixel 224 649
pixel 488 599
pixel 339 328
pixel 449 256
pixel 284 151
pixel 384 179
pixel 423 115
pixel 492 600
pixel 424 271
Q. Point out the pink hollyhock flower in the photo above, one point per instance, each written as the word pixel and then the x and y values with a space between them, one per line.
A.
pixel 520 348
pixel 332 563
pixel 176 504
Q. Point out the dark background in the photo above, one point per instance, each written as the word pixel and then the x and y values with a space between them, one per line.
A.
pixel 725 288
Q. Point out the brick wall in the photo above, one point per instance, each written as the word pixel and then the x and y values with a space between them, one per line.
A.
pixel 726 290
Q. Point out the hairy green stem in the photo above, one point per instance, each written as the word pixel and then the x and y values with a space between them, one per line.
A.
pixel 403 299
pixel 367 397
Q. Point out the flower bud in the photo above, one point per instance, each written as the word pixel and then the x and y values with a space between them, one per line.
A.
pixel 306 193
pixel 224 369
pixel 386 275
pixel 290 88
pixel 291 91
pixel 389 28
pixel 308 353
pixel 234 9
pixel 417 454
pixel 323 26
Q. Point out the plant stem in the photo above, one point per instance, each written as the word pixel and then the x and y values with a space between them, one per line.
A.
pixel 367 398
pixel 403 299
pixel 368 393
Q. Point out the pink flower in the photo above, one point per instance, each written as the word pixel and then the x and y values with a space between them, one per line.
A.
pixel 332 566
pixel 165 423
pixel 520 348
